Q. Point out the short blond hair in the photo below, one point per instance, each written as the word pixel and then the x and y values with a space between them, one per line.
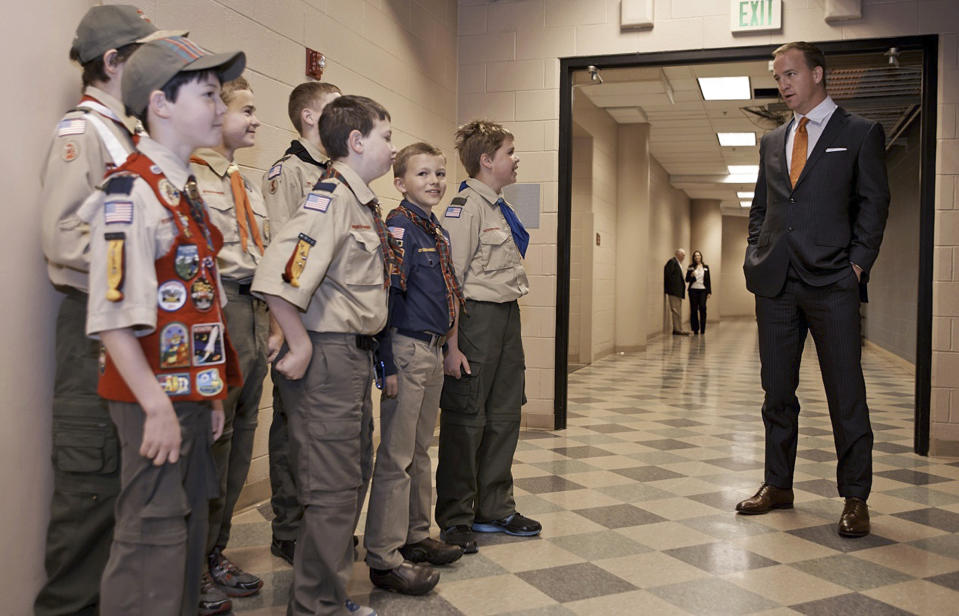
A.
pixel 403 156
pixel 476 138
pixel 230 88
pixel 305 95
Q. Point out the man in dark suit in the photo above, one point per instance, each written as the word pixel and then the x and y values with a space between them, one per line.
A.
pixel 815 227
pixel 674 284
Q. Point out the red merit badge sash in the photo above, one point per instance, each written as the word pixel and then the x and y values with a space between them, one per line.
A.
pixel 189 351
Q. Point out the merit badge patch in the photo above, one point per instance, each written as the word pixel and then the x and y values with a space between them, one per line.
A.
pixel 202 294
pixel 171 295
pixel 71 126
pixel 71 151
pixel 187 261
pixel 174 346
pixel 317 202
pixel 170 194
pixel 175 384
pixel 275 171
pixel 454 211
pixel 297 261
pixel 117 212
pixel 208 382
pixel 207 344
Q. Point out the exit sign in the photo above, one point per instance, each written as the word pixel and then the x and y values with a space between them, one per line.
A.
pixel 755 15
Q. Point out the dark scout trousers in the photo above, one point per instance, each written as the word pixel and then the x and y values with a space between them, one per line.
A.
pixel 248 322
pixel 86 479
pixel 480 419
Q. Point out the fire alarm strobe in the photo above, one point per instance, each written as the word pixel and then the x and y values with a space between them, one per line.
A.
pixel 315 63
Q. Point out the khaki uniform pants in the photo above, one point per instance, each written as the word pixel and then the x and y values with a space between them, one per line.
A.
pixel 157 554
pixel 248 322
pixel 331 429
pixel 86 472
pixel 400 499
pixel 479 425
pixel 676 310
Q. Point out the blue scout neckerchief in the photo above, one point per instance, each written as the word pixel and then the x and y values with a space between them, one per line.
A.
pixel 520 234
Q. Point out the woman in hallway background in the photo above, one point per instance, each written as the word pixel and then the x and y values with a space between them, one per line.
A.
pixel 697 275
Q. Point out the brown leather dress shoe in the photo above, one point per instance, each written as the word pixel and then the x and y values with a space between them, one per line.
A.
pixel 854 521
pixel 408 578
pixel 768 497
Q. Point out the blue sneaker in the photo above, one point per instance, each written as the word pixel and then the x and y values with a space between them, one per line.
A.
pixel 359 610
pixel 516 525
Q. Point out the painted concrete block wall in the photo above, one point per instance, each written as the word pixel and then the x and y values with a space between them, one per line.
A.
pixel 736 300
pixel 538 32
pixel 706 236
pixel 668 230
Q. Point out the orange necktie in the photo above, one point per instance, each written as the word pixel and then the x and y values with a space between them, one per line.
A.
pixel 800 144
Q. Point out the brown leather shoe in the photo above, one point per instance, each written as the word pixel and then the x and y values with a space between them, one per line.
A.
pixel 854 521
pixel 768 497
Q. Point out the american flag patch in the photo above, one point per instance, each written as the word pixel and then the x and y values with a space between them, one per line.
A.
pixel 454 211
pixel 274 171
pixel 397 232
pixel 316 201
pixel 117 211
pixel 71 126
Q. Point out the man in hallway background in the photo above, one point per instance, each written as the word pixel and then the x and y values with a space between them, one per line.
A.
pixel 674 283
pixel 815 226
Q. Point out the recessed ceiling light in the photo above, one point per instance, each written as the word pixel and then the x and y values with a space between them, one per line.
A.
pixel 743 169
pixel 746 194
pixel 746 203
pixel 734 139
pixel 725 88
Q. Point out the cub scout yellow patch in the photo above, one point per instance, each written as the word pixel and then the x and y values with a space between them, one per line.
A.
pixel 71 151
pixel 114 265
pixel 297 262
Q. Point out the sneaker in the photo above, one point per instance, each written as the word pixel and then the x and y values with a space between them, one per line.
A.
pixel 516 524
pixel 432 551
pixel 359 610
pixel 231 579
pixel 212 599
pixel 283 548
pixel 460 535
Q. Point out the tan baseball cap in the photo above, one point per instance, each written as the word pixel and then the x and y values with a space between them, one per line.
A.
pixel 110 27
pixel 157 61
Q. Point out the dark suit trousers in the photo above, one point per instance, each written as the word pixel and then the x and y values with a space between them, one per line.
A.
pixel 831 313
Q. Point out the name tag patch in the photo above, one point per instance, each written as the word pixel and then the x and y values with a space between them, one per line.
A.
pixel 454 211
pixel 71 126
pixel 117 212
pixel 317 202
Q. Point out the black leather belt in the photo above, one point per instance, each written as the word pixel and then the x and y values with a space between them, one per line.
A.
pixel 427 337
pixel 365 343
pixel 244 289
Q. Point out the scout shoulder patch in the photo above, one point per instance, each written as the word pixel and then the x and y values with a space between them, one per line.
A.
pixel 119 184
pixel 275 171
pixel 325 186
pixel 397 233
pixel 71 126
pixel 317 202
pixel 71 151
pixel 458 201
pixel 118 211
pixel 115 265
pixel 454 211
pixel 297 261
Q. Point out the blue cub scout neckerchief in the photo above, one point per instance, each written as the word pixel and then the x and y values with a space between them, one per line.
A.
pixel 520 234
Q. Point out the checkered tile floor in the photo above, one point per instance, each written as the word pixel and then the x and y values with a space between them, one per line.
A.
pixel 636 499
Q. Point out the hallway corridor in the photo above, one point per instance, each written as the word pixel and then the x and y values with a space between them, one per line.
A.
pixel 636 499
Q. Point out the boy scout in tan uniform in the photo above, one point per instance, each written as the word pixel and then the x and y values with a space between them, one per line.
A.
pixel 236 208
pixel 90 139
pixel 285 186
pixel 155 303
pixel 483 391
pixel 325 277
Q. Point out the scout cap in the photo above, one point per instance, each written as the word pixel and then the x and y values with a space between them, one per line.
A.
pixel 158 61
pixel 110 27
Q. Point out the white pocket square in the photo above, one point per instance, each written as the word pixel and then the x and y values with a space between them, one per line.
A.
pixel 835 150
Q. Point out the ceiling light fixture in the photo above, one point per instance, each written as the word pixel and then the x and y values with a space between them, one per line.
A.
pixel 736 139
pixel 745 194
pixel 725 88
pixel 745 203
pixel 743 169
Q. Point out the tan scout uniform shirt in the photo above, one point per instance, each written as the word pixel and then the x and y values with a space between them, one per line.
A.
pixel 287 183
pixel 342 284
pixel 76 161
pixel 487 261
pixel 148 236
pixel 235 263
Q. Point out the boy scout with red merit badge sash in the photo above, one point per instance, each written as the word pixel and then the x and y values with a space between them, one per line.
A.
pixel 155 303
pixel 94 136
pixel 325 277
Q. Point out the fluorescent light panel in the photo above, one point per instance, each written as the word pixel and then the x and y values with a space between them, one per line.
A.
pixel 736 139
pixel 746 194
pixel 746 203
pixel 725 88
pixel 743 169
